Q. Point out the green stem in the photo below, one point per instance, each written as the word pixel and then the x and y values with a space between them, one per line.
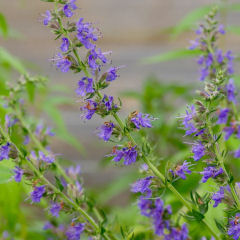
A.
pixel 221 161
pixel 60 169
pixel 45 180
pixel 161 176
pixel 154 169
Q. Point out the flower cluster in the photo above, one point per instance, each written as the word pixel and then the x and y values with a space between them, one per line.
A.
pixel 157 212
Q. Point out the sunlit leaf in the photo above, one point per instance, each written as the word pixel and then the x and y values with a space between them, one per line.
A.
pixel 191 19
pixel 172 55
pixel 14 62
pixel 3 26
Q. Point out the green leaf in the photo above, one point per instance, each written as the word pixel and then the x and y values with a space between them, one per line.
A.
pixel 5 171
pixel 14 62
pixel 191 19
pixel 51 109
pixel 59 184
pixel 3 26
pixel 234 29
pixel 47 0
pixel 31 91
pixel 172 55
pixel 233 7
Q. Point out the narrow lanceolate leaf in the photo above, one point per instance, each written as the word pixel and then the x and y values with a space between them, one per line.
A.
pixel 15 63
pixel 190 20
pixel 172 55
pixel 3 26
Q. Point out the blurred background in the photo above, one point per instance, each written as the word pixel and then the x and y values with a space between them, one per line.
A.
pixel 132 30
pixel 150 38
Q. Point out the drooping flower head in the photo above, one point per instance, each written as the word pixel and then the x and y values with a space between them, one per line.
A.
pixel 111 74
pixel 231 91
pixel 54 209
pixel 69 7
pixel 74 232
pixel 89 109
pixel 142 186
pixel 73 171
pixel 198 150
pixel 47 17
pixel 37 193
pixel 218 196
pixel 234 227
pixel 85 86
pixel 46 158
pixel 106 130
pixel 128 153
pixel 62 63
pixel 18 172
pixel 182 170
pixel 210 172
pixel 187 120
pixel 223 116
pixel 141 120
pixel 4 151
pixel 65 45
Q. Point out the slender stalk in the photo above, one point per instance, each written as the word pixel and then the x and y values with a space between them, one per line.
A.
pixel 60 169
pixel 221 161
pixel 148 162
pixel 161 176
pixel 56 190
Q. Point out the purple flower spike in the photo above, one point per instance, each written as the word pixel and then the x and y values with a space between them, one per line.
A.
pixel 223 116
pixel 86 33
pixel 37 193
pixel 142 120
pixel 74 232
pixel 231 91
pixel 55 208
pixel 47 17
pixel 198 150
pixel 62 63
pixel 4 151
pixel 18 174
pixel 210 172
pixel 65 45
pixel 234 227
pixel 106 131
pixel 142 186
